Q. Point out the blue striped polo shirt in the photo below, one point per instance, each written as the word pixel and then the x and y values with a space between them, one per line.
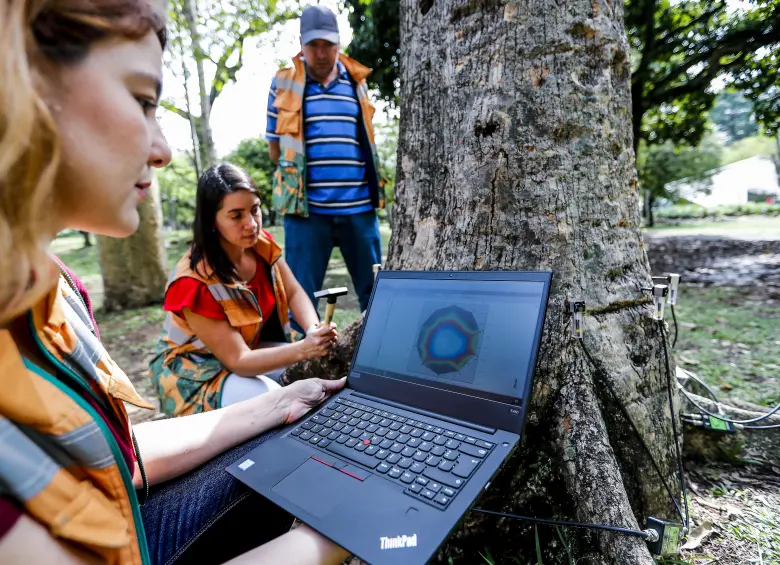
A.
pixel 335 162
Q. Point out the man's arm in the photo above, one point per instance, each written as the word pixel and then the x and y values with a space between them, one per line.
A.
pixel 270 125
pixel 274 151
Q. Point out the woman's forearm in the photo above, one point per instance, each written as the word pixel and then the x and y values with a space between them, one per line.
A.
pixel 303 310
pixel 253 362
pixel 172 447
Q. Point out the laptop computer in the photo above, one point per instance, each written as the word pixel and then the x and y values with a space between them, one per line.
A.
pixel 435 402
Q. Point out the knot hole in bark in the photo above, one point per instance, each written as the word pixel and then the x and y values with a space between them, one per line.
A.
pixel 485 129
pixel 621 65
pixel 425 6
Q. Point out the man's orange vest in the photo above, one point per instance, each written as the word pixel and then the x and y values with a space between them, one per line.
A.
pixel 289 194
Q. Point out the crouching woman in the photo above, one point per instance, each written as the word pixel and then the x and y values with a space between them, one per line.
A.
pixel 227 333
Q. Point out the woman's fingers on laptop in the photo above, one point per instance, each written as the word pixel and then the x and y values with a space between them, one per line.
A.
pixel 333 386
pixel 301 396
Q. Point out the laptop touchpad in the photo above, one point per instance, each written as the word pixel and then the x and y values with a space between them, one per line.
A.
pixel 316 488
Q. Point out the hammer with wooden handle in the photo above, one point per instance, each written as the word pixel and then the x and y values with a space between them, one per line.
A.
pixel 332 295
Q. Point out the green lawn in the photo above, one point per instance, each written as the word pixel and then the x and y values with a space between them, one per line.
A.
pixel 732 340
pixel 757 227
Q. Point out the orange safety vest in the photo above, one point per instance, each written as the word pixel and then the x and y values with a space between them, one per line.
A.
pixel 289 181
pixel 188 377
pixel 58 458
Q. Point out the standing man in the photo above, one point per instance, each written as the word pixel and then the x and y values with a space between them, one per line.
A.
pixel 327 183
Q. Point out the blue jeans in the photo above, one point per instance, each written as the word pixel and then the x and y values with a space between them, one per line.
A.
pixel 309 242
pixel 207 516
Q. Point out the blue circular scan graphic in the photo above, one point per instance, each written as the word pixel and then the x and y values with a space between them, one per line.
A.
pixel 448 340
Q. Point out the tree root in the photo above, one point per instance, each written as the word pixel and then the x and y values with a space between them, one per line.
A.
pixel 760 447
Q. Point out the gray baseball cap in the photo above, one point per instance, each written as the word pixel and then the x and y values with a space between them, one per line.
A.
pixel 318 22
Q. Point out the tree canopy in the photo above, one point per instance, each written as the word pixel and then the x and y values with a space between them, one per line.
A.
pixel 734 116
pixel 376 42
pixel 205 33
pixel 679 49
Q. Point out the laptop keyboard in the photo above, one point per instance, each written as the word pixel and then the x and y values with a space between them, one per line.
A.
pixel 432 462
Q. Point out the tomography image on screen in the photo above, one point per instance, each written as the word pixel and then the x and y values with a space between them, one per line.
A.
pixel 463 335
pixel 448 342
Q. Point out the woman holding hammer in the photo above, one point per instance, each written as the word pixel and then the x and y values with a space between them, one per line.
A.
pixel 227 333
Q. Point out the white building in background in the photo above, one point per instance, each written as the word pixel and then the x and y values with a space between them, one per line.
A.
pixel 750 180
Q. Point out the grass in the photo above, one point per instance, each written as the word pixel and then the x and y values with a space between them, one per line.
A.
pixel 759 227
pixel 731 340
pixel 742 506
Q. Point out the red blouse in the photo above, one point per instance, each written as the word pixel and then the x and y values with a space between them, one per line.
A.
pixel 189 293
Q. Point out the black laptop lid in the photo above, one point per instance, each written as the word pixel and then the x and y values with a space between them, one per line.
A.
pixel 462 344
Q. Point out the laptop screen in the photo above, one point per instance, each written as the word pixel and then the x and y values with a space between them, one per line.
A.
pixel 468 336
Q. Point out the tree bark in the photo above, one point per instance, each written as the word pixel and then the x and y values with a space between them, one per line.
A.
pixel 516 153
pixel 208 154
pixel 135 269
pixel 532 167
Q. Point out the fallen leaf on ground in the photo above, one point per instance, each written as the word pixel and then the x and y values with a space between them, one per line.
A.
pixel 708 504
pixel 698 535
pixel 733 512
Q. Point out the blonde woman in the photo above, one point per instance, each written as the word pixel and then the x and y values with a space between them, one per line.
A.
pixel 79 85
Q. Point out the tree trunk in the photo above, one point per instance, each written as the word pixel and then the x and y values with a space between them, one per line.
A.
pixel 196 160
pixel 206 141
pixel 134 268
pixel 515 153
pixel 648 201
pixel 532 167
pixel 87 239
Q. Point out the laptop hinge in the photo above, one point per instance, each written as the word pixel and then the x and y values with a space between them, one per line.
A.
pixel 477 427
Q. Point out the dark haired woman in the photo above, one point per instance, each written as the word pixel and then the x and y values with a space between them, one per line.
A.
pixel 227 333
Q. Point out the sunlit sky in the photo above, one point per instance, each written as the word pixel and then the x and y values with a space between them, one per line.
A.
pixel 240 111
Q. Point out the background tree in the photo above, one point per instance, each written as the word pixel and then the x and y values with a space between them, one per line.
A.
pixel 662 164
pixel 211 35
pixel 376 43
pixel 733 115
pixel 87 238
pixel 682 47
pixel 515 152
pixel 178 184
pixel 678 49
pixel 133 268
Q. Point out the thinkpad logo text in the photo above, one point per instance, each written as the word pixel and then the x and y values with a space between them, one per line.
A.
pixel 398 542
